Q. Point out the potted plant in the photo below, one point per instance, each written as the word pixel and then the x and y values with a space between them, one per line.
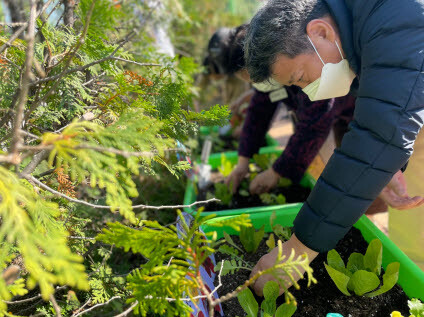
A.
pixel 380 256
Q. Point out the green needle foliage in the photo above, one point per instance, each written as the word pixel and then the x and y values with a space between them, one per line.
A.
pixel 87 108
pixel 361 275
pixel 173 261
pixel 30 223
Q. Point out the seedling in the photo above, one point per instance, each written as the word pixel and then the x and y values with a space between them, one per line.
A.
pixel 226 166
pixel 263 161
pixel 223 193
pixel 282 233
pixel 272 199
pixel 361 275
pixel 284 182
pixel 416 309
pixel 237 261
pixel 269 304
pixel 250 238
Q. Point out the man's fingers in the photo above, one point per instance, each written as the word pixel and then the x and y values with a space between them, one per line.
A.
pixel 253 186
pixel 259 285
pixel 398 184
pixel 403 203
pixel 410 203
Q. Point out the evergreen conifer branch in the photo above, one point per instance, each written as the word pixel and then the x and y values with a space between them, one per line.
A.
pixel 137 113
pixel 23 28
pixel 51 190
pixel 69 57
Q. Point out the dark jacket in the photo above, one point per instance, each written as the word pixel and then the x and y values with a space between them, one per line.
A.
pixel 384 43
pixel 314 123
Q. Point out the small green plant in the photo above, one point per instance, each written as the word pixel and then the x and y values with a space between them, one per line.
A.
pixel 361 275
pixel 250 238
pixel 416 309
pixel 226 166
pixel 223 193
pixel 283 233
pixel 237 261
pixel 263 161
pixel 269 305
pixel 272 199
pixel 284 182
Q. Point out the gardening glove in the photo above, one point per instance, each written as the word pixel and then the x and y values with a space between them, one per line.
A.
pixel 264 182
pixel 268 261
pixel 395 194
pixel 238 173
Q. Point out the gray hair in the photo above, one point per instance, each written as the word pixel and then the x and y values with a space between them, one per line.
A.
pixel 279 28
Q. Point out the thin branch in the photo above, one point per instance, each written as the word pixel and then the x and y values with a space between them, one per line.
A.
pixel 95 306
pixel 13 24
pixel 112 150
pixel 42 185
pixel 81 238
pixel 136 63
pixel 23 95
pixel 46 173
pixel 55 306
pixel 26 300
pixel 36 160
pixel 29 134
pixel 23 28
pixel 129 310
pixel 9 61
pixel 81 308
pixel 82 68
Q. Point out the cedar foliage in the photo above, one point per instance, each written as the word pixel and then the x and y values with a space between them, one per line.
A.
pixel 102 107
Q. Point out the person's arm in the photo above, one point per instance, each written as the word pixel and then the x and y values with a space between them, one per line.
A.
pixel 389 114
pixel 315 123
pixel 258 119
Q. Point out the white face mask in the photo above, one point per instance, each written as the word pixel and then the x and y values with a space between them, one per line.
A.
pixel 334 82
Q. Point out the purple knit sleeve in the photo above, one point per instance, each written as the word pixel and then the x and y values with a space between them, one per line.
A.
pixel 315 120
pixel 258 119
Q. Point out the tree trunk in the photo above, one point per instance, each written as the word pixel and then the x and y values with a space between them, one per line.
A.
pixel 16 9
pixel 68 15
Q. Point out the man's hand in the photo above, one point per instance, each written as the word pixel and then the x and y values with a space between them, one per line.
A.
pixel 238 173
pixel 395 194
pixel 268 260
pixel 264 182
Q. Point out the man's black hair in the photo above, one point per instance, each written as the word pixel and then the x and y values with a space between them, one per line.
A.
pixel 279 28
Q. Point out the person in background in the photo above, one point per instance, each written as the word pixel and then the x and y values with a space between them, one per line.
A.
pixel 233 91
pixel 323 46
pixel 313 122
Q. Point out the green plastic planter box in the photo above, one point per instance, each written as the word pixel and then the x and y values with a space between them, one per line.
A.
pixel 215 161
pixel 269 140
pixel 411 277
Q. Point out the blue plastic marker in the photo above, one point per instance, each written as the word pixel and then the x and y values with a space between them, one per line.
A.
pixel 334 315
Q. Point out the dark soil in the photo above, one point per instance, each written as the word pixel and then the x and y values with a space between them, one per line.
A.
pixel 228 143
pixel 323 297
pixel 294 193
